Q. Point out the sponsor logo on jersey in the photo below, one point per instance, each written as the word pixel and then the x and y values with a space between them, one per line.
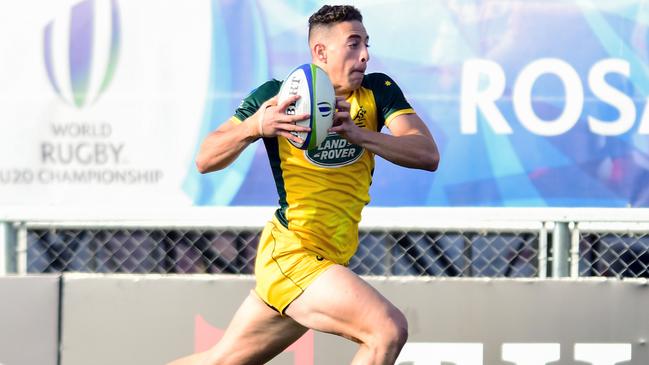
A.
pixel 335 151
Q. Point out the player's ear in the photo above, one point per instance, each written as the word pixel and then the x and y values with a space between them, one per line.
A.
pixel 320 52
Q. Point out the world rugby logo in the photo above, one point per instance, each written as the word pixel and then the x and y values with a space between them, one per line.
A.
pixel 81 48
pixel 324 108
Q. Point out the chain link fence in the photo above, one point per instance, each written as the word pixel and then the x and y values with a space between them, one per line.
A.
pixel 613 251
pixel 478 249
pixel 137 250
pixel 213 250
pixel 448 253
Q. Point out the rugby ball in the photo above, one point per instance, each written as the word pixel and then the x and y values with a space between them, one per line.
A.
pixel 317 98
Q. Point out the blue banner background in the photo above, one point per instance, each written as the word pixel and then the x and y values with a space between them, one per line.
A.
pixel 424 46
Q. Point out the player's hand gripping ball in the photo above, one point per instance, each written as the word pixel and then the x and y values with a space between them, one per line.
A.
pixel 317 98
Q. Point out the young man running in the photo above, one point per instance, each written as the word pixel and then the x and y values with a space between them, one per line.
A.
pixel 302 280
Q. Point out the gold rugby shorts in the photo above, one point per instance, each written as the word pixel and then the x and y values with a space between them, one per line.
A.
pixel 283 267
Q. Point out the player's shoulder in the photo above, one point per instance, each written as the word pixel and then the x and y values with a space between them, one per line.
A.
pixel 251 102
pixel 265 91
pixel 377 80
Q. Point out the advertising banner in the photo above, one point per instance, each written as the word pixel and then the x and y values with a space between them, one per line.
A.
pixel 532 103
pixel 153 320
pixel 100 101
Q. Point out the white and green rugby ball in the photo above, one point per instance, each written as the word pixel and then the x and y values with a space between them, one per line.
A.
pixel 317 98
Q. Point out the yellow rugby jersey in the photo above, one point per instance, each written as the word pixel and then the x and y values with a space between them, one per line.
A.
pixel 323 191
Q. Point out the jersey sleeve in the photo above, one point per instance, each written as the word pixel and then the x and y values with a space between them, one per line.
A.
pixel 390 101
pixel 251 103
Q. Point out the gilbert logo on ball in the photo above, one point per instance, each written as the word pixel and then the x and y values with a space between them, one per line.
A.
pixel 81 48
pixel 317 98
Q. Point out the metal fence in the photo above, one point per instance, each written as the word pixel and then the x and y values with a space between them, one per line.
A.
pixel 610 249
pixel 443 247
pixel 204 250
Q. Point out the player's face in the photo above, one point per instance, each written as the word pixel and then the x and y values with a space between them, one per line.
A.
pixel 347 56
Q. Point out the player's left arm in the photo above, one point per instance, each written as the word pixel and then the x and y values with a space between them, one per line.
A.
pixel 411 143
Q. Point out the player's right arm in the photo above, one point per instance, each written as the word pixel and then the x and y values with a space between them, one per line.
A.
pixel 224 145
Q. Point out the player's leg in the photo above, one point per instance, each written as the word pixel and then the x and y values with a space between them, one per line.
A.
pixel 256 334
pixel 340 302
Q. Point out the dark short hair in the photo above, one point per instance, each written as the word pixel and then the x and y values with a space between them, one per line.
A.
pixel 332 14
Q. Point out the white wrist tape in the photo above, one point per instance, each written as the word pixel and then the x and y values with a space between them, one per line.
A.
pixel 261 122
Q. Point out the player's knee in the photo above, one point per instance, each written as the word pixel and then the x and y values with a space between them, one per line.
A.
pixel 399 329
pixel 394 332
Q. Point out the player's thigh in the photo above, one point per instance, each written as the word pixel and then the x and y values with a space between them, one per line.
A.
pixel 256 334
pixel 340 302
